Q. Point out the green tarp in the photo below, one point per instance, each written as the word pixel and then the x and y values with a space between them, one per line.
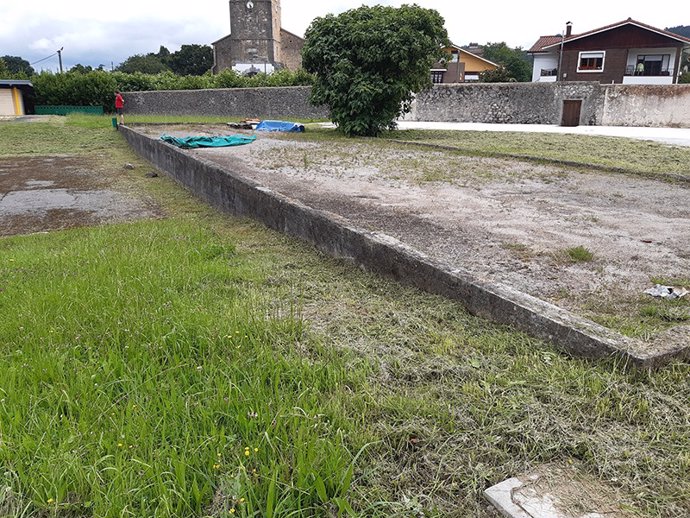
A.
pixel 197 142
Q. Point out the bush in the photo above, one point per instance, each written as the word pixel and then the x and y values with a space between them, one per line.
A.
pixel 97 88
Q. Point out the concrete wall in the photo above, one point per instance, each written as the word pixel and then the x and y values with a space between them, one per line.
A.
pixel 286 102
pixel 542 103
pixel 647 106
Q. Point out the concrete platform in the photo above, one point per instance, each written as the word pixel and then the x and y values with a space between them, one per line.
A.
pixel 226 188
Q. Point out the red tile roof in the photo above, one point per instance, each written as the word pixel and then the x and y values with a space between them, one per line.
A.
pixel 547 42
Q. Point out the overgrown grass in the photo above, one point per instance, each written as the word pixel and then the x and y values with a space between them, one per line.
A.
pixel 628 155
pixel 150 368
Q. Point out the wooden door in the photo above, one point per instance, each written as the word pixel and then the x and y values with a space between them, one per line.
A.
pixel 571 113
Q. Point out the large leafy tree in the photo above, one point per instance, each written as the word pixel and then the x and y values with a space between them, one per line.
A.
pixel 515 61
pixel 17 65
pixel 369 61
pixel 191 60
pixel 146 64
pixel 4 71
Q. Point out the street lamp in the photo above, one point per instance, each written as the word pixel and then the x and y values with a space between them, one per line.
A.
pixel 59 53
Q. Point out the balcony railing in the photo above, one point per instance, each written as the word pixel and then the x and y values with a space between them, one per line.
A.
pixel 550 72
pixel 648 71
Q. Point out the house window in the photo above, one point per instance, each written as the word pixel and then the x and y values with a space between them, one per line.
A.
pixel 591 61
pixel 437 76
pixel 652 65
pixel 454 56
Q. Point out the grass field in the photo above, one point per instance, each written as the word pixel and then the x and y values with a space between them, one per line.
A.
pixel 202 365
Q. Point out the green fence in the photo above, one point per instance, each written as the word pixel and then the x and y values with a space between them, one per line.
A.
pixel 65 109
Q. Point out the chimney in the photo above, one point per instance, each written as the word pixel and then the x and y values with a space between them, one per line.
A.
pixel 568 29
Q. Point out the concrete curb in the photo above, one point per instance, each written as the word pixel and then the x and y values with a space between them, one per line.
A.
pixel 382 254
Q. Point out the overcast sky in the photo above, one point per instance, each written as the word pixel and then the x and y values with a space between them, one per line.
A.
pixel 95 32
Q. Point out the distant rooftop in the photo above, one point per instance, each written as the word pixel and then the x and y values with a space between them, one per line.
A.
pixel 15 82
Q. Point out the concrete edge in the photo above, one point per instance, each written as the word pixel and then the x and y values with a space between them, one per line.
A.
pixel 501 497
pixel 230 192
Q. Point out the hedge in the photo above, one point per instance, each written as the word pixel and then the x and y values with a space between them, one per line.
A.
pixel 97 88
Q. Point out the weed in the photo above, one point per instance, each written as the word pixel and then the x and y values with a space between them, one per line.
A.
pixel 580 254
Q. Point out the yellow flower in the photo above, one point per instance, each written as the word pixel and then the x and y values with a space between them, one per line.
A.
pixel 232 511
pixel 246 453
pixel 256 450
pixel 241 500
pixel 51 500
pixel 120 445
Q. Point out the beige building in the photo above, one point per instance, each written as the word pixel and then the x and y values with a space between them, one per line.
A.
pixel 257 42
pixel 13 97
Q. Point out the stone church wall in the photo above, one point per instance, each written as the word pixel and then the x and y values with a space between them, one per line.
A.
pixel 291 50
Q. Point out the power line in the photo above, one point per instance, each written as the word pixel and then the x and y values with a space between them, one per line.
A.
pixel 54 54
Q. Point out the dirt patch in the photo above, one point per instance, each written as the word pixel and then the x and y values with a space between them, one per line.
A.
pixel 58 192
pixel 590 242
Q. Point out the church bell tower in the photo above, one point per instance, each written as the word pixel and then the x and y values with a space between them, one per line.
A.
pixel 255 35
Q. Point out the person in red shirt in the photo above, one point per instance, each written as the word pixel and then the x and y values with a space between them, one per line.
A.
pixel 120 107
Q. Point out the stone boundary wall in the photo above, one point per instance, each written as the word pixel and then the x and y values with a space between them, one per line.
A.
pixel 506 103
pixel 542 103
pixel 491 103
pixel 278 102
pixel 628 105
pixel 231 192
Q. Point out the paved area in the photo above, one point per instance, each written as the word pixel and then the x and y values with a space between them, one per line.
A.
pixel 56 192
pixel 672 136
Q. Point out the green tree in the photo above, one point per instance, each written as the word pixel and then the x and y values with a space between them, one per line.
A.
pixel 4 71
pixel 191 60
pixel 500 75
pixel 81 69
pixel 369 60
pixel 17 65
pixel 516 61
pixel 146 64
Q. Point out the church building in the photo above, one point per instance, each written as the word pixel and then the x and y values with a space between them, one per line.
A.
pixel 257 42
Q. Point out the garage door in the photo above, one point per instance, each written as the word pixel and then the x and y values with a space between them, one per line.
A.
pixel 6 102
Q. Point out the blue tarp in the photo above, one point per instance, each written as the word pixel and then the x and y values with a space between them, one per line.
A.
pixel 197 142
pixel 287 127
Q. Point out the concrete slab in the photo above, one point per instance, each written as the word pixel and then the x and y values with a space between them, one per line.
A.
pixel 229 187
pixel 555 492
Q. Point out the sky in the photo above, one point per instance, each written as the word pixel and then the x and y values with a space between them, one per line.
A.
pixel 94 32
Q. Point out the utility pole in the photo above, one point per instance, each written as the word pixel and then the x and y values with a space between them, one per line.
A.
pixel 566 34
pixel 59 53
